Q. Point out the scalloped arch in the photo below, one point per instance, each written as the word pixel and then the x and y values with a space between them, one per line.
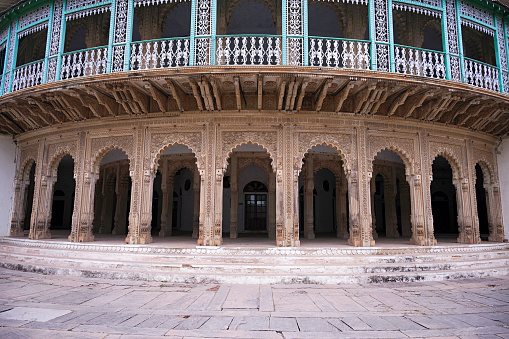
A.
pixel 160 151
pixel 96 160
pixel 27 167
pixel 486 171
pixel 456 170
pixel 399 152
pixel 342 155
pixel 55 161
pixel 231 149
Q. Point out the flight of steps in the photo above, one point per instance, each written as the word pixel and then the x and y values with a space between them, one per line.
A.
pixel 255 265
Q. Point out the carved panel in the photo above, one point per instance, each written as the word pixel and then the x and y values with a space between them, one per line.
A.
pixel 28 154
pixel 486 160
pixel 263 163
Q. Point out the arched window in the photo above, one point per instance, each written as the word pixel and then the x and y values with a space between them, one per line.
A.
pixel 254 187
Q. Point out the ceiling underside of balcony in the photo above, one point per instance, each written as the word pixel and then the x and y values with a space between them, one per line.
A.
pixel 241 90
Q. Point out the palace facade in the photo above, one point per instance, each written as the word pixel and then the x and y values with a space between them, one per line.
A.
pixel 284 119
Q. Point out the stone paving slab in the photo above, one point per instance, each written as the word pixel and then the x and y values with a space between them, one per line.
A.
pixel 37 306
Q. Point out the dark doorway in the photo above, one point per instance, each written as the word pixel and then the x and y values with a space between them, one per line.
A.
pixel 482 210
pixel 256 207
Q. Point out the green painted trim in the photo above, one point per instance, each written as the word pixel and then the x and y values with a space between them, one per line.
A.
pixel 111 36
pixel 84 50
pixel 497 57
pixel 19 10
pixel 192 33
pixel 479 22
pixel 14 57
pixel 339 39
pixel 372 33
pixel 420 49
pixel 284 36
pixel 128 35
pixel 305 30
pixel 421 4
pixel 445 41
pixel 100 4
pixel 480 62
pixel 213 26
pixel 392 67
pixel 504 27
pixel 38 22
pixel 460 40
pixel 48 43
pixel 28 64
pixel 244 35
pixel 61 46
pixel 6 59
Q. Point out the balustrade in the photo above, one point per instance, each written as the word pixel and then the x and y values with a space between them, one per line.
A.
pixel 481 75
pixel 339 53
pixel 248 50
pixel 85 62
pixel 28 75
pixel 160 54
pixel 416 61
pixel 256 50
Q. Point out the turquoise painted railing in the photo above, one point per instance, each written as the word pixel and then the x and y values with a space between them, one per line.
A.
pixel 294 47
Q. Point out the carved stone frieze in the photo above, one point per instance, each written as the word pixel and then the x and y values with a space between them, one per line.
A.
pixel 232 139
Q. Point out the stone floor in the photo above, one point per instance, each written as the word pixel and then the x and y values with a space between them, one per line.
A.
pixel 39 306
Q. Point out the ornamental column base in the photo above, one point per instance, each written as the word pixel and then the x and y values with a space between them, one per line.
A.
pixel 468 239
pixel 138 240
pixel 496 238
pixel 16 232
pixel 88 236
pixel 422 241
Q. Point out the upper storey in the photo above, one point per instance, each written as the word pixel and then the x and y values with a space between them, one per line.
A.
pixel 44 41
pixel 49 40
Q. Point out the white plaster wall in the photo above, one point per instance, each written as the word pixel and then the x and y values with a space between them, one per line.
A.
pixel 7 171
pixel 503 173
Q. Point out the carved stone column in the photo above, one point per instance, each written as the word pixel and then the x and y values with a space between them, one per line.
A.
pixel 280 232
pixel 287 185
pixel 466 231
pixel 404 203
pixel 167 203
pixel 272 205
pixel 495 213
pixel 309 185
pixel 43 213
pixel 121 208
pixel 218 216
pixel 353 196
pixel 196 209
pixel 373 215
pixel 18 215
pixel 342 227
pixel 39 194
pixel 420 235
pixel 83 215
pixel 234 196
pixel 142 175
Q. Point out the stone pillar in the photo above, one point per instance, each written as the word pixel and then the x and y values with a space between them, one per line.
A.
pixel 272 205
pixel 287 193
pixel 404 203
pixel 373 215
pixel 494 206
pixel 121 208
pixel 167 202
pixel 391 217
pixel 43 213
pixel 36 228
pixel 360 197
pixel 18 215
pixel 211 191
pixel 309 185
pixel 196 208
pixel 97 207
pixel 234 197
pixel 353 196
pixel 472 218
pixel 142 175
pixel 342 227
pixel 463 198
pixel 83 215
pixel 420 235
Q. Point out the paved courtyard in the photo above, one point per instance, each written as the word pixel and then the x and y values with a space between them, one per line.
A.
pixel 39 306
